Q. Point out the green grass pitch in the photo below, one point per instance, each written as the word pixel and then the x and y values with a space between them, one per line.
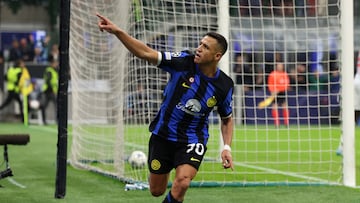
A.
pixel 34 169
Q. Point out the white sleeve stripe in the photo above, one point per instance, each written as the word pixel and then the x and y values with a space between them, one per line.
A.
pixel 167 56
pixel 159 58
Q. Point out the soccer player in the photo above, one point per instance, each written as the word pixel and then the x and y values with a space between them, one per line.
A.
pixel 179 132
pixel 278 84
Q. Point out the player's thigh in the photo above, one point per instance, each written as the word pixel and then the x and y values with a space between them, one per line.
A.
pixel 160 163
pixel 161 155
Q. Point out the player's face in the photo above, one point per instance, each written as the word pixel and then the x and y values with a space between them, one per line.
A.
pixel 207 51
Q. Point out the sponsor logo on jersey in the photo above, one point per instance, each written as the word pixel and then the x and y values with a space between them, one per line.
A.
pixel 191 107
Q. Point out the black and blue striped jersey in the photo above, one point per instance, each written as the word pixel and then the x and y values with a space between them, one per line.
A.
pixel 189 97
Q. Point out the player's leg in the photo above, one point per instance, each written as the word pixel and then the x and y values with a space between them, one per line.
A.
pixel 158 183
pixel 275 114
pixel 184 174
pixel 43 107
pixel 188 159
pixel 54 101
pixel 285 112
pixel 19 101
pixel 160 162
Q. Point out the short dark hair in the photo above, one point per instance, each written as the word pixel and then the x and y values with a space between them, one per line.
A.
pixel 220 39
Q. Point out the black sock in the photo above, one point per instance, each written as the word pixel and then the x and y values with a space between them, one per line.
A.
pixel 170 199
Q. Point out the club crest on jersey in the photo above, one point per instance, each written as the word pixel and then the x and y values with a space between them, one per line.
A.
pixel 211 102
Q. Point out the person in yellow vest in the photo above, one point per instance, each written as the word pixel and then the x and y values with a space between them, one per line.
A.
pixel 49 88
pixel 26 87
pixel 25 84
pixel 12 78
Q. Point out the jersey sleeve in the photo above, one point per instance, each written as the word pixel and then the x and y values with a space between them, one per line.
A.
pixel 175 61
pixel 225 108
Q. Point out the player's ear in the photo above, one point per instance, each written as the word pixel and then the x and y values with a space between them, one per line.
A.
pixel 218 56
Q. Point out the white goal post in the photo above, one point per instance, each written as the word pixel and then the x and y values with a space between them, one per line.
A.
pixel 348 131
pixel 115 95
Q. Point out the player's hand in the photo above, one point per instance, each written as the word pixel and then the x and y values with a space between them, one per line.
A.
pixel 227 161
pixel 105 24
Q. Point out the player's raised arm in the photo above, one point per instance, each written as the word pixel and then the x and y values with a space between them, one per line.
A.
pixel 138 48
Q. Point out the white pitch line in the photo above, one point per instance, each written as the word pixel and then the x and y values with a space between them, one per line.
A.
pixel 284 173
pixel 15 183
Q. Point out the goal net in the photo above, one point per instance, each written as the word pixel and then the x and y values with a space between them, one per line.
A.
pixel 115 95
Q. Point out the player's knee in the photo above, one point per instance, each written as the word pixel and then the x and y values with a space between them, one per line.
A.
pixel 182 182
pixel 156 192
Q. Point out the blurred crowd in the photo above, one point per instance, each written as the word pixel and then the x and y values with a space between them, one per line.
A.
pixel 253 75
pixel 30 50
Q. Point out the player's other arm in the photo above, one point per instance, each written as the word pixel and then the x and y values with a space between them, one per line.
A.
pixel 227 134
pixel 136 47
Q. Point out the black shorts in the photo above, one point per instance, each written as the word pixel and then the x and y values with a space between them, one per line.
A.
pixel 165 155
pixel 280 98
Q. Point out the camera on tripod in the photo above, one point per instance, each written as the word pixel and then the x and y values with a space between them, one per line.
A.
pixel 13 139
